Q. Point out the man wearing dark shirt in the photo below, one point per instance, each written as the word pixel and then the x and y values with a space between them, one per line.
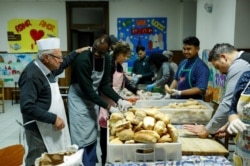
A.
pixel 41 104
pixel 142 72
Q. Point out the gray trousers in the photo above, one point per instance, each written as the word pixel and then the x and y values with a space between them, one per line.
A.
pixel 35 146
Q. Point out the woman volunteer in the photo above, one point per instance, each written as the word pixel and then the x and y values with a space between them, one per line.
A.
pixel 118 81
pixel 163 72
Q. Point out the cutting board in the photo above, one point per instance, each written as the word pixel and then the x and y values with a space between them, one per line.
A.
pixel 198 146
pixel 193 145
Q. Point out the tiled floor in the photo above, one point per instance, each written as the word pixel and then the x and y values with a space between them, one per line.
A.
pixel 10 129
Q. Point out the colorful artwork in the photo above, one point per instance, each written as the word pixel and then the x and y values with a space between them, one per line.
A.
pixel 12 65
pixel 217 81
pixel 23 33
pixel 149 32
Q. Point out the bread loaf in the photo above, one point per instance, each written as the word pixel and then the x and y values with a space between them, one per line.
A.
pixel 148 123
pixel 125 135
pixel 160 127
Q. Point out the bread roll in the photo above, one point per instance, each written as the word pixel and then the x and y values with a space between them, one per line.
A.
pixel 165 138
pixel 160 127
pixel 144 137
pixel 129 141
pixel 129 116
pixel 117 116
pixel 168 90
pixel 125 135
pixel 173 132
pixel 140 113
pixel 116 141
pixel 137 120
pixel 148 123
pixel 151 112
pixel 150 132
pixel 138 127
pixel 163 117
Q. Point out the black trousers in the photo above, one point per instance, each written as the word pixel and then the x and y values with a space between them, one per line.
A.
pixel 103 144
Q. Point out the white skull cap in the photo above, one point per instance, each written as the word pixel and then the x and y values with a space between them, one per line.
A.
pixel 167 53
pixel 48 43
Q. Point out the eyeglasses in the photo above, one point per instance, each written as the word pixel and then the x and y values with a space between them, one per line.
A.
pixel 57 57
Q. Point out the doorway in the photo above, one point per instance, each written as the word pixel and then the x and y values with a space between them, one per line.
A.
pixel 86 21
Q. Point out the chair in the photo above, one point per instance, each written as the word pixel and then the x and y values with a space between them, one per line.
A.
pixel 12 155
pixel 15 94
pixel 2 94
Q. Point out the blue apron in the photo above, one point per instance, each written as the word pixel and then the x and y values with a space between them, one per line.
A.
pixel 185 77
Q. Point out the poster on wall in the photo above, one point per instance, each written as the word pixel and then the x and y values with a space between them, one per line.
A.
pixel 149 32
pixel 12 65
pixel 23 33
pixel 217 80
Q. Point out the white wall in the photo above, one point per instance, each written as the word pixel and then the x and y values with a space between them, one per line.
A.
pixel 218 26
pixel 189 18
pixel 150 8
pixel 36 10
pixel 242 24
pixel 55 9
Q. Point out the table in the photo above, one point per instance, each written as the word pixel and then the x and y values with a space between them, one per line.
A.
pixel 185 161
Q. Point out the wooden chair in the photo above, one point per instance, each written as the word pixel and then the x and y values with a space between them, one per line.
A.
pixel 2 94
pixel 12 155
pixel 15 94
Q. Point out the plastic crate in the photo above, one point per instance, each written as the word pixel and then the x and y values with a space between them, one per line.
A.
pixel 143 152
pixel 178 115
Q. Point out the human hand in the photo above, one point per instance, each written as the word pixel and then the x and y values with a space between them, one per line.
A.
pixel 114 109
pixel 150 87
pixel 199 130
pixel 80 50
pixel 59 124
pixel 103 117
pixel 176 92
pixel 139 76
pixel 124 105
pixel 221 132
pixel 236 126
pixel 140 94
pixel 135 78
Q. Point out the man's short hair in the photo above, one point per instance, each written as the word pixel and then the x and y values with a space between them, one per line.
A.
pixel 140 48
pixel 192 40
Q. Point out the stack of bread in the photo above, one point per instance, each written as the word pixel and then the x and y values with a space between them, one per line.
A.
pixel 191 104
pixel 141 126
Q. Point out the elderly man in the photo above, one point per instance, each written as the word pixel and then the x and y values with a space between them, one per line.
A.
pixel 41 103
pixel 225 58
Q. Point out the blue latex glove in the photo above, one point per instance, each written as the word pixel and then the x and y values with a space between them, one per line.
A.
pixel 150 87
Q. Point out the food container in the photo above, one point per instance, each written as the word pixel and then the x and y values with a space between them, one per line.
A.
pixel 139 152
pixel 178 115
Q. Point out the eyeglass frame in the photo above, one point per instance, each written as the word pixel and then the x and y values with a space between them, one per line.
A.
pixel 60 58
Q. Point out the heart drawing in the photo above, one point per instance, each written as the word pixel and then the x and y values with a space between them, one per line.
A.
pixel 36 34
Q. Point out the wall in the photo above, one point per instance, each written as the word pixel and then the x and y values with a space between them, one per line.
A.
pixel 218 26
pixel 150 8
pixel 49 9
pixel 242 24
pixel 189 18
pixel 172 9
